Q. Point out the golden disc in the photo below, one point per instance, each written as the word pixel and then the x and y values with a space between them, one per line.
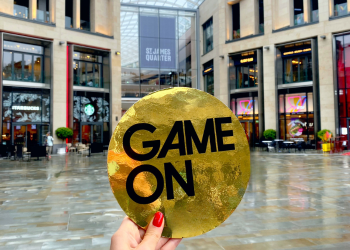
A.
pixel 183 152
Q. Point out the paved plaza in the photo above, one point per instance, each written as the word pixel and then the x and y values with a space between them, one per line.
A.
pixel 294 201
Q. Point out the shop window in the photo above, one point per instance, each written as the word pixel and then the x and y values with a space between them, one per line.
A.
pixel 297 69
pixel 236 21
pixel 22 62
pixel 261 16
pixel 85 15
pixel 243 70
pixel 43 13
pixel 208 74
pixel 208 35
pixel 298 12
pixel 340 7
pixel 21 8
pixel 69 14
pixel 296 119
pixel 314 11
pixel 247 76
pixel 87 70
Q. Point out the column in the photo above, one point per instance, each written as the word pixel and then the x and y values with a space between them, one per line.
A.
pixel 307 11
pixel 52 9
pixel 94 15
pixel 58 90
pixel 260 92
pixel 76 14
pixel 229 27
pixel 327 89
pixel 315 81
pixel 331 7
pixel 70 83
pixel 6 6
pixel 248 9
pixel 1 56
pixel 32 9
pixel 270 89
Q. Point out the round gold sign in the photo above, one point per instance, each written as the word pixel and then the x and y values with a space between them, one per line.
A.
pixel 180 151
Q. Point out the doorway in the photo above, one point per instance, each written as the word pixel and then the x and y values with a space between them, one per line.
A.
pixel 91 133
pixel 248 129
pixel 29 134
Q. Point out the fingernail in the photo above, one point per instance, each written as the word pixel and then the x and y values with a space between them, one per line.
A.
pixel 158 219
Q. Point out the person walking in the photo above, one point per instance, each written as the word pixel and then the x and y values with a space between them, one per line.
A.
pixel 49 143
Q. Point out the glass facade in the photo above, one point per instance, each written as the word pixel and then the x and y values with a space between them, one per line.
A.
pixel 88 70
pixel 243 69
pixel 296 115
pixel 25 110
pixel 91 117
pixel 208 74
pixel 298 12
pixel 20 8
pixel 190 4
pixel 246 108
pixel 26 62
pixel 340 7
pixel 314 11
pixel 158 50
pixel 296 62
pixel 236 19
pixel 208 36
pixel 343 82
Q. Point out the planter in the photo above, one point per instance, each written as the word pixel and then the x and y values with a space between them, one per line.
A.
pixel 326 147
pixel 61 151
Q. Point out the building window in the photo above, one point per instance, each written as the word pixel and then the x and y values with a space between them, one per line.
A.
pixel 296 62
pixel 243 70
pixel 23 62
pixel 314 10
pixel 340 7
pixel 261 16
pixel 296 116
pixel 85 15
pixel 343 79
pixel 298 12
pixel 43 12
pixel 246 108
pixel 208 35
pixel 236 21
pixel 69 14
pixel 208 74
pixel 20 8
pixel 87 70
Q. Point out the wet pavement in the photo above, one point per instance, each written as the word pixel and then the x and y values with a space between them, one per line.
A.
pixel 294 201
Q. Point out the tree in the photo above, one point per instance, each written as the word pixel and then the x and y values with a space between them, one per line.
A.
pixel 64 133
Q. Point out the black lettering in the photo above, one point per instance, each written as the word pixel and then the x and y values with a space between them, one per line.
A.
pixel 170 172
pixel 130 184
pixel 168 145
pixel 155 145
pixel 221 134
pixel 191 134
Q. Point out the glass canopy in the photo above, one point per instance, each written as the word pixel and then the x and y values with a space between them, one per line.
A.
pixel 190 4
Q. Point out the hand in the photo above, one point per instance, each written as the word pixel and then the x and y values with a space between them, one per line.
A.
pixel 129 236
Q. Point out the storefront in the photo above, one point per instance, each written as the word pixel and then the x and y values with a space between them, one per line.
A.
pixel 296 115
pixel 246 87
pixel 343 85
pixel 208 74
pixel 91 118
pixel 26 116
pixel 246 108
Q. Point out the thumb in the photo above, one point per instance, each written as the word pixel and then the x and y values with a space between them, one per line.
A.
pixel 153 233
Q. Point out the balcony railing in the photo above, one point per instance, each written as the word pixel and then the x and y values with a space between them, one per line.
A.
pixel 236 34
pixel 69 22
pixel 341 9
pixel 84 25
pixel 299 19
pixel 20 11
pixel 43 16
pixel 314 16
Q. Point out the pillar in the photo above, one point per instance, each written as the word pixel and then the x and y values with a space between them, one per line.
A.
pixel 76 14
pixel 32 9
pixel 52 9
pixel 229 26
pixel 315 80
pixel 1 56
pixel 260 92
pixel 307 11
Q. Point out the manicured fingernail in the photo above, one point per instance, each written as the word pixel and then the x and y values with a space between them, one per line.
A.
pixel 158 219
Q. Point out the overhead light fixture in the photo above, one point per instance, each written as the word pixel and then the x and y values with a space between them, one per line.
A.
pixel 62 42
pixel 117 53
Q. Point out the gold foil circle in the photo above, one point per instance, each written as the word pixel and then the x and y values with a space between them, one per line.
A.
pixel 220 178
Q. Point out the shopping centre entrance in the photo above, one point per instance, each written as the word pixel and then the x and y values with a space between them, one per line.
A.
pixel 91 132
pixel 29 134
pixel 251 131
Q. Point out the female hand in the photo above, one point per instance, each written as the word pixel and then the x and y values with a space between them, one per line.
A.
pixel 130 236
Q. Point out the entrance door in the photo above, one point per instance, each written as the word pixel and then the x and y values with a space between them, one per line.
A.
pixel 91 133
pixel 26 134
pixel 248 128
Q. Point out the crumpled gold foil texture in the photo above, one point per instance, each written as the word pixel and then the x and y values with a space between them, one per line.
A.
pixel 220 178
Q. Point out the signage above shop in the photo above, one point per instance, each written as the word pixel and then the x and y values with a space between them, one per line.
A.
pixel 31 108
pixel 297 51
pixel 183 152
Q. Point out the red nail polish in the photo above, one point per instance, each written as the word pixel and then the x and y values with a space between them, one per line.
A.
pixel 158 219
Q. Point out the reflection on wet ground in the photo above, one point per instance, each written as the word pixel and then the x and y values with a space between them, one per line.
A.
pixel 292 202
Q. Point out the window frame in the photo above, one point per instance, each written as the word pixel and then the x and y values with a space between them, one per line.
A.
pixel 307 57
pixel 208 25
pixel 42 70
pixel 93 72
